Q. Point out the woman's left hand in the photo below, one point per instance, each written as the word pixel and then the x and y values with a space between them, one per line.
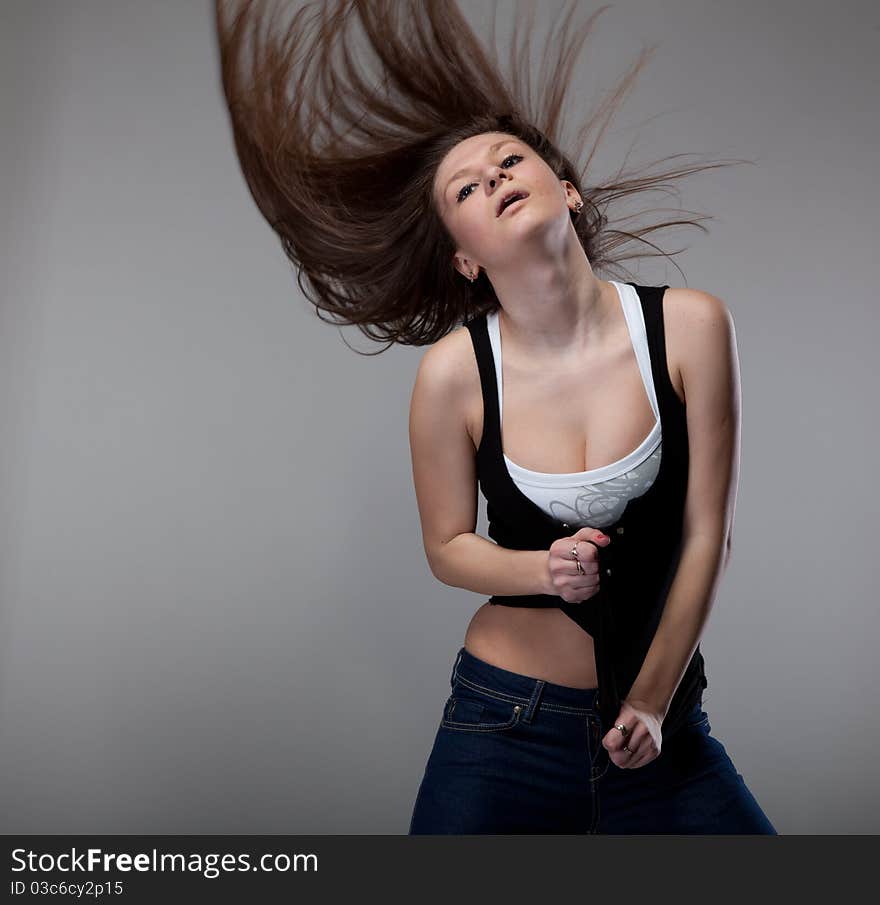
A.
pixel 643 735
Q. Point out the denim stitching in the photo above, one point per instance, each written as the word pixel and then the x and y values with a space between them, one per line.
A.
pixel 454 674
pixel 593 729
pixel 534 701
pixel 596 805
pixel 503 696
pixel 458 726
pixel 600 752
pixel 562 708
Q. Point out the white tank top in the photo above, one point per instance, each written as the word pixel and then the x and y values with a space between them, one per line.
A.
pixel 595 497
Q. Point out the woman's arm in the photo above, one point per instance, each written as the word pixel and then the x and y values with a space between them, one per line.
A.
pixel 701 332
pixel 444 475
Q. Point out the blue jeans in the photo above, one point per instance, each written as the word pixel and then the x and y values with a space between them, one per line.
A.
pixel 516 754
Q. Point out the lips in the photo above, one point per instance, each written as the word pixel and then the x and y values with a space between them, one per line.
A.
pixel 518 194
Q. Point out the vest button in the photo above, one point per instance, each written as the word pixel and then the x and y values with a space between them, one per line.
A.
pixel 620 530
pixel 566 525
pixel 608 571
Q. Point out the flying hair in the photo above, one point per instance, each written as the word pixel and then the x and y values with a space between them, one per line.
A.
pixel 341 158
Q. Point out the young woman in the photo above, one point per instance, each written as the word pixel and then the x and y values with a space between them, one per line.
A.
pixel 440 210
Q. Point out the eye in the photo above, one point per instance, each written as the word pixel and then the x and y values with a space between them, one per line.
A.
pixel 516 158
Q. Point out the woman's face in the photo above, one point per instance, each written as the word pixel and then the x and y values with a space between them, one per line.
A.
pixel 470 184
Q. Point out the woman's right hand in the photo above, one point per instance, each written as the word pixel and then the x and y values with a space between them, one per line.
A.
pixel 565 580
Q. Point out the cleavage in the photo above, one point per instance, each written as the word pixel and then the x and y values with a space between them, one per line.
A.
pixel 557 422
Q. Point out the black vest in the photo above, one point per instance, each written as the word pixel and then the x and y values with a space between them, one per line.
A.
pixel 637 567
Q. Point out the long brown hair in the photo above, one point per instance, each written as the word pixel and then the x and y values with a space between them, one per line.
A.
pixel 342 167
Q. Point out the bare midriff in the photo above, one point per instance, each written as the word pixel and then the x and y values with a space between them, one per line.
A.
pixel 541 643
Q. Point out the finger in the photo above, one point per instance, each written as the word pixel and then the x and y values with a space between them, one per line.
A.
pixel 584 557
pixel 622 758
pixel 615 739
pixel 573 553
pixel 587 568
pixel 583 548
pixel 645 748
pixel 592 535
pixel 635 744
pixel 588 575
pixel 645 755
pixel 625 752
pixel 569 559
pixel 587 550
pixel 582 590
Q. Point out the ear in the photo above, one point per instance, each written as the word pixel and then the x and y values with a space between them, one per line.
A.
pixel 466 267
pixel 571 193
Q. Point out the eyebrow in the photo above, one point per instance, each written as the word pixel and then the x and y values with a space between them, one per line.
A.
pixel 466 170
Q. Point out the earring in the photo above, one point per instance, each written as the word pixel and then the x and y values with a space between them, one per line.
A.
pixel 578 205
pixel 472 276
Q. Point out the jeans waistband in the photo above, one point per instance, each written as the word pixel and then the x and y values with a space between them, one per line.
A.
pixel 527 689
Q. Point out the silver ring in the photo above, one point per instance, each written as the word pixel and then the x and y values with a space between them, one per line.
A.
pixel 622 728
pixel 627 748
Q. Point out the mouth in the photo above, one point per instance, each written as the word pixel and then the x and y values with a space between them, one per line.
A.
pixel 510 199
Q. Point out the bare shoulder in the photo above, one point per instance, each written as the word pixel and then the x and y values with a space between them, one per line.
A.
pixel 448 375
pixel 694 322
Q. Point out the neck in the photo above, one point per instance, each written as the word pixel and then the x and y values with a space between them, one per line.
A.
pixel 553 306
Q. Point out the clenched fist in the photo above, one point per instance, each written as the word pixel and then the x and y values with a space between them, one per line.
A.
pixel 564 579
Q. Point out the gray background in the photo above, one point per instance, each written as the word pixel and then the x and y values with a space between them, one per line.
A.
pixel 216 611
